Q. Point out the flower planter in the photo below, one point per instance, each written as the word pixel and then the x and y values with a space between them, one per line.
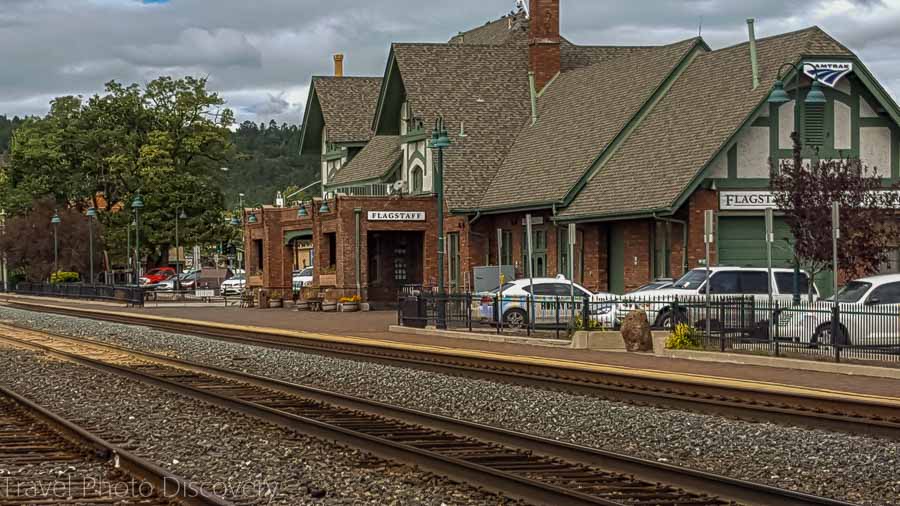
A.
pixel 329 306
pixel 349 307
pixel 276 303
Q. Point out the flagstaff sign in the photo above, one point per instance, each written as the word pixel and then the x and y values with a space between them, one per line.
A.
pixel 827 73
pixel 746 200
pixel 396 215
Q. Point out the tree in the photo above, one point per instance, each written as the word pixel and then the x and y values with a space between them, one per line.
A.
pixel 166 140
pixel 33 258
pixel 805 192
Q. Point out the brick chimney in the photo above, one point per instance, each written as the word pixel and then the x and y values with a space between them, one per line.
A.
pixel 543 40
pixel 339 65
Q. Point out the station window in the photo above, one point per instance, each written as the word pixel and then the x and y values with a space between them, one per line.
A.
pixel 258 252
pixel 332 249
pixel 506 256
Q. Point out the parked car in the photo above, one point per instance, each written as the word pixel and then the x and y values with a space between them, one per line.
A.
pixel 302 278
pixel 233 285
pixel 869 315
pixel 744 284
pixel 552 300
pixel 659 284
pixel 187 281
pixel 157 275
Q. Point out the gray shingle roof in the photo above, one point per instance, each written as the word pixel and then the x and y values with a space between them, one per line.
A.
pixel 578 116
pixel 348 104
pixel 510 28
pixel 484 86
pixel 703 109
pixel 379 155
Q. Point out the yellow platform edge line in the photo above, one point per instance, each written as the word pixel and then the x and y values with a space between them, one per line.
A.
pixel 688 378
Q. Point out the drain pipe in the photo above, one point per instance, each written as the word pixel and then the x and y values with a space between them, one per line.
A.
pixel 357 212
pixel 754 62
pixel 684 239
pixel 533 91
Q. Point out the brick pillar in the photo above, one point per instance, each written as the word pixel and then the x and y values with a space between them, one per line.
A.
pixel 637 253
pixel 699 202
pixel 543 40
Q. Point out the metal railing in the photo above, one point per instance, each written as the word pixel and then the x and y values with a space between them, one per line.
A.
pixel 133 295
pixel 736 324
pixel 368 190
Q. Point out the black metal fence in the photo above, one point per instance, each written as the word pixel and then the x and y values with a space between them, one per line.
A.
pixel 133 295
pixel 738 324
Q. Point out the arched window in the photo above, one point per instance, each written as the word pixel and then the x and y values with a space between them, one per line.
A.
pixel 416 180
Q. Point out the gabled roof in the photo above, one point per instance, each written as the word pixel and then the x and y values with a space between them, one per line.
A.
pixel 373 162
pixel 348 104
pixel 705 107
pixel 343 105
pixel 578 116
pixel 483 86
pixel 510 28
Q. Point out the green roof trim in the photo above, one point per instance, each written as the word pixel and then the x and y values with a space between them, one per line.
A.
pixel 290 235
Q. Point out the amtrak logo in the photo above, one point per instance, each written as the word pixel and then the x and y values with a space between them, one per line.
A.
pixel 828 73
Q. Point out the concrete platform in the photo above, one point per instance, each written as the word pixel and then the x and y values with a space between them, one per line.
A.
pixel 374 325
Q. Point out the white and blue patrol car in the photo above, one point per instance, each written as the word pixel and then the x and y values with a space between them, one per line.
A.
pixel 552 303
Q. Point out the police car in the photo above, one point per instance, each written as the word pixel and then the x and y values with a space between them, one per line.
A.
pixel 552 302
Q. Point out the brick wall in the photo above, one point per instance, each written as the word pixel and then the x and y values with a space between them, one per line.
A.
pixel 699 202
pixel 637 253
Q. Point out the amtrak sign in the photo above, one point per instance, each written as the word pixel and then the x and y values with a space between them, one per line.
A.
pixel 827 73
pixel 396 215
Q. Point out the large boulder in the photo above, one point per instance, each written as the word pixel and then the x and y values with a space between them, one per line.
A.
pixel 636 331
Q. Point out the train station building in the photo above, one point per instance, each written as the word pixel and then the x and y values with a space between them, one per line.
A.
pixel 631 144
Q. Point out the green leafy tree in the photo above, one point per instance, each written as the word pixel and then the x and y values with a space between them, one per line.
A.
pixel 166 140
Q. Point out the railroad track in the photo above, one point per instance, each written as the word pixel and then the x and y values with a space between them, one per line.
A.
pixel 45 459
pixel 534 469
pixel 753 401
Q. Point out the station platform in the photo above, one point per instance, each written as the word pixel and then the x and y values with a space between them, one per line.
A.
pixel 842 379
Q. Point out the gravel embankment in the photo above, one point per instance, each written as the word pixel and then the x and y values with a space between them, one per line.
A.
pixel 254 462
pixel 852 468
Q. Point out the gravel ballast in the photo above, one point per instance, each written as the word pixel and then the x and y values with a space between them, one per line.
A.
pixel 248 461
pixel 851 468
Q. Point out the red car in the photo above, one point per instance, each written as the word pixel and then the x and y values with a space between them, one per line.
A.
pixel 157 275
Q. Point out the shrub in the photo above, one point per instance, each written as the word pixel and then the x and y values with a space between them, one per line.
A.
pixel 591 324
pixel 685 337
pixel 64 277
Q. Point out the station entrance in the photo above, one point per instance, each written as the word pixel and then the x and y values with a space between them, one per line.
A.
pixel 395 263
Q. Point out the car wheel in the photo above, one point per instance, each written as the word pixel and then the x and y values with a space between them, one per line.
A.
pixel 823 335
pixel 515 319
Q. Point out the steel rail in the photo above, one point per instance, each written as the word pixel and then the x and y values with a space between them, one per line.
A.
pixel 849 415
pixel 186 492
pixel 699 482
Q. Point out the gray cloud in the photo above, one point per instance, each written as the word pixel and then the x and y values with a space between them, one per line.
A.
pixel 260 54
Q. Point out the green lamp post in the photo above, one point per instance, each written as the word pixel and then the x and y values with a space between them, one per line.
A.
pixel 439 141
pixel 55 221
pixel 91 214
pixel 136 205
pixel 252 218
pixel 178 216
pixel 779 96
pixel 301 211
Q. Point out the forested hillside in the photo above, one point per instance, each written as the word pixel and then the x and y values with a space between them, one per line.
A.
pixel 267 161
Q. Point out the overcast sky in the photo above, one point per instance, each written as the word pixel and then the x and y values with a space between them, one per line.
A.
pixel 260 54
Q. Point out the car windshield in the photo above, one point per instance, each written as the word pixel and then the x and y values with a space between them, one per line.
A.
pixel 692 279
pixel 852 291
pixel 306 272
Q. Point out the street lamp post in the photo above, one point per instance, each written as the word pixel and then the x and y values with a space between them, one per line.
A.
pixel 779 96
pixel 136 205
pixel 439 141
pixel 178 216
pixel 91 214
pixel 55 221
